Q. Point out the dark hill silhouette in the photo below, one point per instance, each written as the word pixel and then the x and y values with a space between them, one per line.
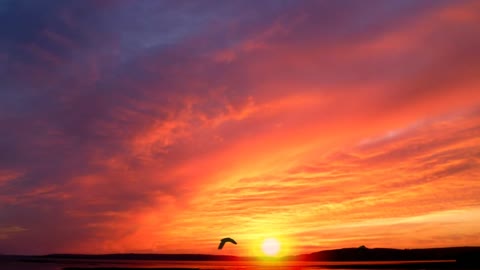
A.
pixel 459 256
pixel 363 253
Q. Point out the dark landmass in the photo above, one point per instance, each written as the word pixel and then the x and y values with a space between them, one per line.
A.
pixel 362 253
pixel 441 258
pixel 396 265
pixel 459 254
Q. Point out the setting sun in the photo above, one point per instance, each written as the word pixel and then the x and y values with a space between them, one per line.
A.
pixel 271 246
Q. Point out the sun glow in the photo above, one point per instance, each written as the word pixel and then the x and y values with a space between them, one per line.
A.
pixel 271 246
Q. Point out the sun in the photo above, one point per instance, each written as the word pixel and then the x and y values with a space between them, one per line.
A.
pixel 271 246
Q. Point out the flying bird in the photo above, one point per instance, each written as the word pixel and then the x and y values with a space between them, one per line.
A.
pixel 225 240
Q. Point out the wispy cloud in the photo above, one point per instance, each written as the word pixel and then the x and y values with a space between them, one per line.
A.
pixel 6 232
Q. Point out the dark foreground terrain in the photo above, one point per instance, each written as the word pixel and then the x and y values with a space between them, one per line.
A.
pixel 455 258
pixel 459 254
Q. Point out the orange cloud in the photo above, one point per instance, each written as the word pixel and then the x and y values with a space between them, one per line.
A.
pixel 373 195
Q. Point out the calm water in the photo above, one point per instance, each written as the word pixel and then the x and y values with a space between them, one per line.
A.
pixel 204 265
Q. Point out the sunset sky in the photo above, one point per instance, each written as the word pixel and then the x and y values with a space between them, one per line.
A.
pixel 163 126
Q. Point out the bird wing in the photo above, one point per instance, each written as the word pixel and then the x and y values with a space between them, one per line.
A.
pixel 228 239
pixel 225 240
pixel 222 243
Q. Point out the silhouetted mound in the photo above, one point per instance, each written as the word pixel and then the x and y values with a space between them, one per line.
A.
pixel 466 254
pixel 463 257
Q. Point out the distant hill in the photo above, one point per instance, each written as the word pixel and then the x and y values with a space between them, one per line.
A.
pixel 467 255
pixel 389 254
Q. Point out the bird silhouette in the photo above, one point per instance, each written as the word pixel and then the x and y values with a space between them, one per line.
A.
pixel 225 240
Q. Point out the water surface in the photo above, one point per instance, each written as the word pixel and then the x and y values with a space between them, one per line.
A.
pixel 60 264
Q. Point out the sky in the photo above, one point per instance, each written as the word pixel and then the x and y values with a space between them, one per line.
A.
pixel 163 126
